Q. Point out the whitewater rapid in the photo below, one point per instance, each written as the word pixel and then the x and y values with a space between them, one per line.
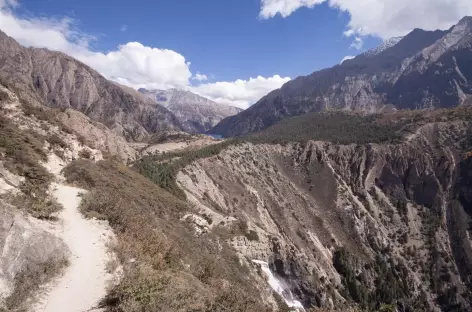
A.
pixel 278 286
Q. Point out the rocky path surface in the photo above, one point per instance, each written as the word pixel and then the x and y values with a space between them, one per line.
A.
pixel 85 280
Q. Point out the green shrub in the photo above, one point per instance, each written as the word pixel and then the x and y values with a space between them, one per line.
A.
pixel 252 236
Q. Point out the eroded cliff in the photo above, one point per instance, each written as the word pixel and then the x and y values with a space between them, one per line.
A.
pixel 371 224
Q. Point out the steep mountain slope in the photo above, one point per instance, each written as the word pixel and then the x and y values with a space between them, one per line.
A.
pixel 371 223
pixel 195 113
pixel 57 80
pixel 424 69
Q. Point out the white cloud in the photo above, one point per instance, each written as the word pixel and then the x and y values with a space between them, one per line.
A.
pixel 240 93
pixel 137 65
pixel 11 3
pixel 124 28
pixel 270 8
pixel 357 44
pixel 347 57
pixel 382 18
pixel 200 77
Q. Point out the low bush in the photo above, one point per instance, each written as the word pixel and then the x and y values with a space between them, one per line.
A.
pixel 23 152
pixel 85 154
pixel 252 236
pixel 56 140
pixel 3 96
pixel 40 112
pixel 40 206
pixel 27 283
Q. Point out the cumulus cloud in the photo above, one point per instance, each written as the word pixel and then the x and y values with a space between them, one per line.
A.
pixel 240 93
pixel 200 77
pixel 382 18
pixel 347 57
pixel 270 8
pixel 137 65
pixel 124 28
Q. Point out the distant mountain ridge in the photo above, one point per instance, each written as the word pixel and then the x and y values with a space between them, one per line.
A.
pixel 57 80
pixel 425 69
pixel 197 114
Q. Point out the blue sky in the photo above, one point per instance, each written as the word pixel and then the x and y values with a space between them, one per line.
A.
pixel 224 39
pixel 232 51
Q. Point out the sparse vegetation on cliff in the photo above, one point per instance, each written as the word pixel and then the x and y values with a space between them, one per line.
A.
pixel 341 127
pixel 391 283
pixel 336 127
pixel 162 169
pixel 21 152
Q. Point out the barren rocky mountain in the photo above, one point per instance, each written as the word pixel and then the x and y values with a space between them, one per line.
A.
pixel 59 81
pixel 329 212
pixel 196 113
pixel 425 69
pixel 325 211
pixel 371 224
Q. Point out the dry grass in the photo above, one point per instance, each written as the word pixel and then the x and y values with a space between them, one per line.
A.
pixel 41 207
pixel 56 140
pixel 27 283
pixel 22 153
pixel 173 269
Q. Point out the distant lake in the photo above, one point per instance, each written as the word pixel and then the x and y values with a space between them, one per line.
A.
pixel 216 136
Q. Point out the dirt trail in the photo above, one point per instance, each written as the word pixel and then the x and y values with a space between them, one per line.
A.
pixel 85 280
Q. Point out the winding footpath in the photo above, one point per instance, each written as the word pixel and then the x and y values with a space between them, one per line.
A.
pixel 85 280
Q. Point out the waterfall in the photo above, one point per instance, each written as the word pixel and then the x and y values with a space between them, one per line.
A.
pixel 278 286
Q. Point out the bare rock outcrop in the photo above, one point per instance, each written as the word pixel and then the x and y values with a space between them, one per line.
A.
pixel 97 135
pixel 25 246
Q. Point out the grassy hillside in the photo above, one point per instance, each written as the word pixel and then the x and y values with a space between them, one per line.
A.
pixel 167 267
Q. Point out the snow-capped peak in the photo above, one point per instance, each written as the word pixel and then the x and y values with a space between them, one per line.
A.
pixel 384 46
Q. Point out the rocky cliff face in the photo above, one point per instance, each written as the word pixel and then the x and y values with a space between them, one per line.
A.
pixel 57 80
pixel 96 135
pixel 422 70
pixel 370 224
pixel 196 113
